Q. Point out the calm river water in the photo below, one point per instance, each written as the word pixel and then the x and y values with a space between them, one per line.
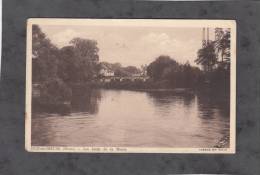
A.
pixel 135 119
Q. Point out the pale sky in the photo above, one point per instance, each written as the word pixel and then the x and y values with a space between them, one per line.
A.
pixel 133 45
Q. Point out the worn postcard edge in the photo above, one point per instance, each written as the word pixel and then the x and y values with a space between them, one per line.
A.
pixel 131 22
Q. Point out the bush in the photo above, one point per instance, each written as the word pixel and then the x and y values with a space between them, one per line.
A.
pixel 55 91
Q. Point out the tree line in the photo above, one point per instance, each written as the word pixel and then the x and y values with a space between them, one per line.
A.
pixel 58 69
pixel 168 73
pixel 213 57
pixel 73 63
pixel 215 54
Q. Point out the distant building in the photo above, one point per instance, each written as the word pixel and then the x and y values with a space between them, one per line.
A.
pixel 137 75
pixel 106 72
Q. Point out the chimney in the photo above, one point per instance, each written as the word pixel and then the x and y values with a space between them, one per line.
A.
pixel 203 37
pixel 207 35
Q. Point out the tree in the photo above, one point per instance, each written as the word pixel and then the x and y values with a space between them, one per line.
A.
pixel 68 69
pixel 222 44
pixel 86 49
pixel 216 71
pixel 188 75
pixel 132 70
pixel 85 58
pixel 44 56
pixel 46 60
pixel 207 57
pixel 167 73
pixel 158 68
pixel 40 43
pixel 116 66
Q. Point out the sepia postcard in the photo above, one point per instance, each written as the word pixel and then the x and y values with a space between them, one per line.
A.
pixel 130 86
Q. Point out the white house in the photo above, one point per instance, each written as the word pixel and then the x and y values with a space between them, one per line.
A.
pixel 106 72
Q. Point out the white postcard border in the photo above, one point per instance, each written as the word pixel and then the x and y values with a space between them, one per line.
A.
pixel 131 22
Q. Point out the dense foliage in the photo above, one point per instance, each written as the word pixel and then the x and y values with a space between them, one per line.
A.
pixel 172 74
pixel 74 63
pixel 216 54
pixel 214 58
pixel 58 70
pixel 45 56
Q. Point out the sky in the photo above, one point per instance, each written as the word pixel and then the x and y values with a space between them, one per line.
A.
pixel 131 45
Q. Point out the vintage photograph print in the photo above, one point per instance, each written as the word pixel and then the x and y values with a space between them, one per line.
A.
pixel 130 86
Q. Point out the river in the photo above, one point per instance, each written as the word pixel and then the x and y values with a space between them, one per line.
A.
pixel 122 118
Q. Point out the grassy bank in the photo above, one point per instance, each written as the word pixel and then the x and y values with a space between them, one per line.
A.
pixel 223 142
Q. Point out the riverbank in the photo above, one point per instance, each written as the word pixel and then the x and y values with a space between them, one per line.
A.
pixel 147 85
pixel 224 142
pixel 58 97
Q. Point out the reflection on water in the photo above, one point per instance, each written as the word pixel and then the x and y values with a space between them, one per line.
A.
pixel 85 102
pixel 130 118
